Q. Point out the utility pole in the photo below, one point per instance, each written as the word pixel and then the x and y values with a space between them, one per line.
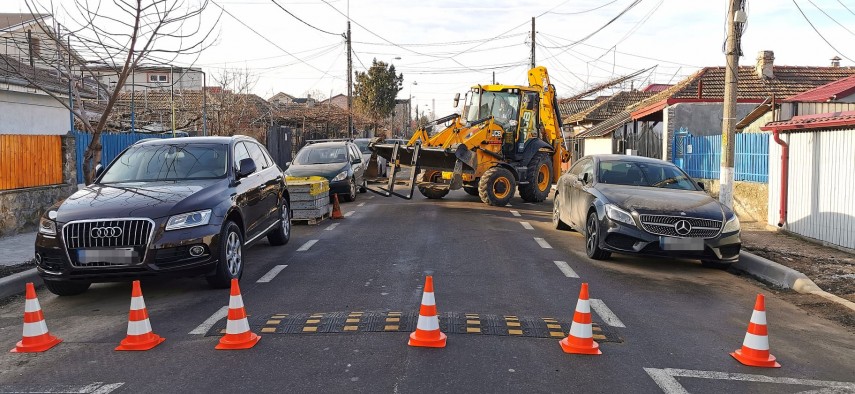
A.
pixel 532 42
pixel 172 96
pixel 349 85
pixel 735 19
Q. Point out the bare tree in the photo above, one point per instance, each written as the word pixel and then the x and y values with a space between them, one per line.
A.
pixel 234 109
pixel 117 36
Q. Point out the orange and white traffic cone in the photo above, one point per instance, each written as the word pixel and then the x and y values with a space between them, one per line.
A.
pixel 427 332
pixel 336 208
pixel 581 337
pixel 238 336
pixel 140 336
pixel 36 336
pixel 755 347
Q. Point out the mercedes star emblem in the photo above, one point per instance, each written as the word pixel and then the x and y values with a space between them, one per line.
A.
pixel 683 227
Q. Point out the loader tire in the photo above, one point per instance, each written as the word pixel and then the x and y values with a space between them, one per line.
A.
pixel 496 187
pixel 430 192
pixel 540 179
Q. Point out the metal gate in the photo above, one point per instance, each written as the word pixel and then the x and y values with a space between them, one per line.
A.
pixel 679 148
pixel 279 143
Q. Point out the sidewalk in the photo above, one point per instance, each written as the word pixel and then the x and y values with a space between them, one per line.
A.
pixel 17 249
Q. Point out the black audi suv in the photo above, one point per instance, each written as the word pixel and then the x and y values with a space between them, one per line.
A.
pixel 639 205
pixel 180 206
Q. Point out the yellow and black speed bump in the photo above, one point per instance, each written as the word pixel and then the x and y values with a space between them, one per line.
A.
pixel 449 323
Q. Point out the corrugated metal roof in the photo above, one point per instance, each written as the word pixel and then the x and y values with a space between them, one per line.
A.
pixel 828 92
pixel 811 122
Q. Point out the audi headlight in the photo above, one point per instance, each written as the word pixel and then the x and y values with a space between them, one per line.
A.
pixel 47 227
pixel 187 220
pixel 340 177
pixel 732 225
pixel 619 215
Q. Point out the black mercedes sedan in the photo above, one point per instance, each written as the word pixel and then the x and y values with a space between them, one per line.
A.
pixel 639 205
pixel 181 206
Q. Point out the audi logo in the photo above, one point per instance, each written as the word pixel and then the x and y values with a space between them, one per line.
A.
pixel 683 227
pixel 105 232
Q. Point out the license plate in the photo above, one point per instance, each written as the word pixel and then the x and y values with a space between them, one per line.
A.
pixel 114 256
pixel 674 243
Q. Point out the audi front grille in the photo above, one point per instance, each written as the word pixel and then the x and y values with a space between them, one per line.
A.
pixel 669 225
pixel 107 234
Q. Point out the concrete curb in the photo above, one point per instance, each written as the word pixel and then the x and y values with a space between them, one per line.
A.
pixel 15 284
pixel 785 277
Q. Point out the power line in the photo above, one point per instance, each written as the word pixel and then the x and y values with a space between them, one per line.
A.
pixel 583 12
pixel 304 22
pixel 847 8
pixel 623 53
pixel 831 17
pixel 601 28
pixel 818 33
pixel 271 42
pixel 449 43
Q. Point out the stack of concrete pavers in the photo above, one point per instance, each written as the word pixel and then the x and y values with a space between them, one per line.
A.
pixel 310 198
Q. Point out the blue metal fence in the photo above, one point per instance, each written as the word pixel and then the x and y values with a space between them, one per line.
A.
pixel 112 144
pixel 701 156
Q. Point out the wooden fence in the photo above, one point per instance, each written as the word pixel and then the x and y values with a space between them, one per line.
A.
pixel 30 161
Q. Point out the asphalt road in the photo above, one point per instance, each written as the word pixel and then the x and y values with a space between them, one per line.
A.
pixel 671 320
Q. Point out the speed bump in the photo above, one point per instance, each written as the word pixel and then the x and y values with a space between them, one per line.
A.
pixel 449 322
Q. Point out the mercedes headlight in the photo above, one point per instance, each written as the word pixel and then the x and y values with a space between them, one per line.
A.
pixel 187 220
pixel 47 227
pixel 732 225
pixel 340 177
pixel 619 215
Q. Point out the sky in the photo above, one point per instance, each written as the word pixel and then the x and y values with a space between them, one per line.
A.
pixel 443 47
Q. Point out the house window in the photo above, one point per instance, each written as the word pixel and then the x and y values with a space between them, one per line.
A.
pixel 158 78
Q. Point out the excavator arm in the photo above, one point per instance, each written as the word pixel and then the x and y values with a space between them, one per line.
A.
pixel 550 118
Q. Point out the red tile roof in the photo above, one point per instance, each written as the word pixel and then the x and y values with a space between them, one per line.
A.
pixel 812 122
pixel 787 81
pixel 828 92
pixel 609 107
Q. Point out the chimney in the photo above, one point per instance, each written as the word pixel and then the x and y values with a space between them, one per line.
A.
pixel 835 61
pixel 765 63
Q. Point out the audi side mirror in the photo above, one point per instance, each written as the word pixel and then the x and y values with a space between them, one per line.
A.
pixel 99 169
pixel 245 168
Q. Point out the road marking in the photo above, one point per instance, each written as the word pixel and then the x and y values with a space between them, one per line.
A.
pixel 542 242
pixel 370 197
pixel 527 225
pixel 332 226
pixel 207 324
pixel 308 245
pixel 515 213
pixel 362 204
pixel 271 274
pixel 97 387
pixel 565 268
pixel 605 313
pixel 667 380
pixel 349 213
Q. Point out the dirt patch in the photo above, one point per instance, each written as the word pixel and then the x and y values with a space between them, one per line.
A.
pixel 6 270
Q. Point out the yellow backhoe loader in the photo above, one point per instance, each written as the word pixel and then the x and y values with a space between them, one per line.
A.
pixel 508 137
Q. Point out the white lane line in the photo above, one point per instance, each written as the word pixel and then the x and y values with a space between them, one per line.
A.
pixel 605 313
pixel 271 274
pixel 542 242
pixel 508 205
pixel 207 324
pixel 92 388
pixel 527 225
pixel 307 245
pixel 666 379
pixel 362 204
pixel 349 213
pixel 370 197
pixel 332 226
pixel 515 213
pixel 565 268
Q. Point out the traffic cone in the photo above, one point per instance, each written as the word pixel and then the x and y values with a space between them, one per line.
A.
pixel 336 209
pixel 238 336
pixel 427 332
pixel 755 347
pixel 581 337
pixel 36 337
pixel 140 336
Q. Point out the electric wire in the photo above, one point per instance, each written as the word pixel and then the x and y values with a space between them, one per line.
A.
pixel 583 12
pixel 304 22
pixel 818 33
pixel 831 17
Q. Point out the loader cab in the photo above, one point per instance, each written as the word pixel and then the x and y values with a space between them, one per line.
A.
pixel 512 108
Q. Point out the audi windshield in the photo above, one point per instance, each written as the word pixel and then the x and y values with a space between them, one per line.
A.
pixel 150 163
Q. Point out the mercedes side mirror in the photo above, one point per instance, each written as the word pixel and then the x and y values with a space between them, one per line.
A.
pixel 585 178
pixel 456 99
pixel 245 168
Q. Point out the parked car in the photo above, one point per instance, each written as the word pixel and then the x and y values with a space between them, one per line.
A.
pixel 184 206
pixel 632 204
pixel 362 144
pixel 339 161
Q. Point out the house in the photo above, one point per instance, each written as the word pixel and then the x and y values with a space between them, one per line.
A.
pixel 602 110
pixel 156 77
pixel 810 169
pixel 27 38
pixel 339 100
pixel 281 99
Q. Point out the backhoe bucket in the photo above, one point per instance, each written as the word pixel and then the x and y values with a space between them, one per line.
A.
pixel 392 153
pixel 428 157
